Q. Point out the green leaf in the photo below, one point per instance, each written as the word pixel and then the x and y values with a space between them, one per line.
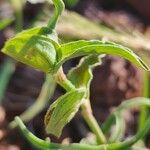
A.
pixel 35 47
pixel 81 75
pixel 5 22
pixel 83 47
pixel 62 111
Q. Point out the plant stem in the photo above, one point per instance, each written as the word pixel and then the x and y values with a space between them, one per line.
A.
pixel 19 20
pixel 108 123
pixel 46 145
pixel 18 7
pixel 44 96
pixel 146 93
pixel 7 70
pixel 91 121
pixel 71 3
pixel 8 67
pixel 132 103
pixel 140 135
pixel 119 130
pixel 86 107
pixel 59 7
pixel 5 22
pixel 62 80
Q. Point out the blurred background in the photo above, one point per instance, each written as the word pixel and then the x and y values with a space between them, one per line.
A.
pixel 126 22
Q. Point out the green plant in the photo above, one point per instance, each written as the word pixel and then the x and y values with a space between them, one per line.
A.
pixel 6 70
pixel 8 66
pixel 71 3
pixel 5 22
pixel 39 48
pixel 146 93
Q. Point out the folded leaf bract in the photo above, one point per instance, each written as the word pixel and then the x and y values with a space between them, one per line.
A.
pixel 81 75
pixel 35 47
pixel 62 111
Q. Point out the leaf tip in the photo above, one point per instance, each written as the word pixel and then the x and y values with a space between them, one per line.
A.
pixel 144 65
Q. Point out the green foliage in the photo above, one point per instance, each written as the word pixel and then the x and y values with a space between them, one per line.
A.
pixel 62 111
pixel 117 116
pixel 59 7
pixel 4 23
pixel 127 144
pixel 71 3
pixel 119 130
pixel 30 137
pixel 82 47
pixel 39 48
pixel 34 47
pixel 45 95
pixel 6 70
pixel 81 75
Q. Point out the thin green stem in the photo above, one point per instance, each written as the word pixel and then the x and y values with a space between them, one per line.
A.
pixel 140 134
pixel 71 3
pixel 46 145
pixel 86 107
pixel 62 80
pixel 5 22
pixel 59 7
pixel 146 93
pixel 108 123
pixel 31 137
pixel 8 67
pixel 119 130
pixel 91 121
pixel 6 70
pixel 132 103
pixel 44 96
pixel 18 8
pixel 19 20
